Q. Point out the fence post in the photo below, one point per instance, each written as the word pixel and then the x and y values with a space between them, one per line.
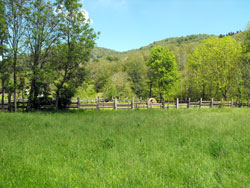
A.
pixel 232 102
pixel 188 104
pixel 132 103
pixel 212 103
pixel 97 103
pixel 87 100
pixel 78 103
pixel 177 103
pixel 148 103
pixel 221 103
pixel 200 103
pixel 115 104
pixel 163 103
pixel 9 103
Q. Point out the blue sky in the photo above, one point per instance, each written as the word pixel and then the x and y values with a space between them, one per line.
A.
pixel 130 24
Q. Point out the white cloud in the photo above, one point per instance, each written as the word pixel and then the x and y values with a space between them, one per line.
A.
pixel 86 15
pixel 84 12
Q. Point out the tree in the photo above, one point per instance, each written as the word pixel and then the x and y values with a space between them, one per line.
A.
pixel 4 65
pixel 118 86
pixel 100 73
pixel 136 69
pixel 15 22
pixel 2 28
pixel 163 69
pixel 78 41
pixel 214 68
pixel 246 62
pixel 42 33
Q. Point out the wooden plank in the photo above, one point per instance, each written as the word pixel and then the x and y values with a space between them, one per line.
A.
pixel 84 105
pixel 124 104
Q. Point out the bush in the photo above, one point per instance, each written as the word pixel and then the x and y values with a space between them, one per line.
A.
pixel 65 97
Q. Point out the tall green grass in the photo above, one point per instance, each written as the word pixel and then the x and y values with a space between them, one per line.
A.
pixel 145 148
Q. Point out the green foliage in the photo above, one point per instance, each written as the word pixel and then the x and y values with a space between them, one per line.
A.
pixel 65 95
pixel 101 72
pixel 163 69
pixel 112 58
pixel 86 90
pixel 99 52
pixel 214 69
pixel 2 29
pixel 246 63
pixel 42 32
pixel 70 58
pixel 145 148
pixel 118 86
pixel 57 40
pixel 136 70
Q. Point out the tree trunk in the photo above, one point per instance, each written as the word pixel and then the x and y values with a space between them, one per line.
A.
pixel 34 92
pixel 9 102
pixel 15 82
pixel 3 90
pixel 160 96
pixel 150 90
pixel 203 91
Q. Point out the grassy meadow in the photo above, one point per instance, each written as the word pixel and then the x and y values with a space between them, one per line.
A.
pixel 141 148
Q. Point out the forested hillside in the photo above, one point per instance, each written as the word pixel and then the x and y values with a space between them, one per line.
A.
pixel 181 46
pixel 125 74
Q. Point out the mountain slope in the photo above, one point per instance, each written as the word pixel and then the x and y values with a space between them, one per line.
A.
pixel 180 46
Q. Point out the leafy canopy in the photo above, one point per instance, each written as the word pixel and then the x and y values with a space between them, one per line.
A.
pixel 163 68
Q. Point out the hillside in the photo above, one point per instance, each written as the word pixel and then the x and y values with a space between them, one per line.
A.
pixel 111 72
pixel 99 52
pixel 180 46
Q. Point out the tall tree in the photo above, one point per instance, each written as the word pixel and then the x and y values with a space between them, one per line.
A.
pixel 246 62
pixel 136 69
pixel 78 41
pixel 42 33
pixel 163 69
pixel 4 66
pixel 214 68
pixel 15 30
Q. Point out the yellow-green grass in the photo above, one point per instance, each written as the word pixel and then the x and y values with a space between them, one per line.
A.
pixel 140 148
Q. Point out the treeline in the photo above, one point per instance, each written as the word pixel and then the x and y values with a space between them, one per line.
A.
pixel 48 56
pixel 217 67
pixel 44 49
pixel 229 34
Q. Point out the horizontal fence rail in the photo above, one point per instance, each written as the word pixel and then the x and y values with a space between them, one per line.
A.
pixel 115 104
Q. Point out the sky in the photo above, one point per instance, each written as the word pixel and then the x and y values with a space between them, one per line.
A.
pixel 131 24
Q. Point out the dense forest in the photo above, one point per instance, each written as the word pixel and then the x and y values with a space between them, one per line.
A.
pixel 48 53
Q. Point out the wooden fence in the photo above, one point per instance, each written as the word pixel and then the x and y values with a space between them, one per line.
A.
pixel 115 104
